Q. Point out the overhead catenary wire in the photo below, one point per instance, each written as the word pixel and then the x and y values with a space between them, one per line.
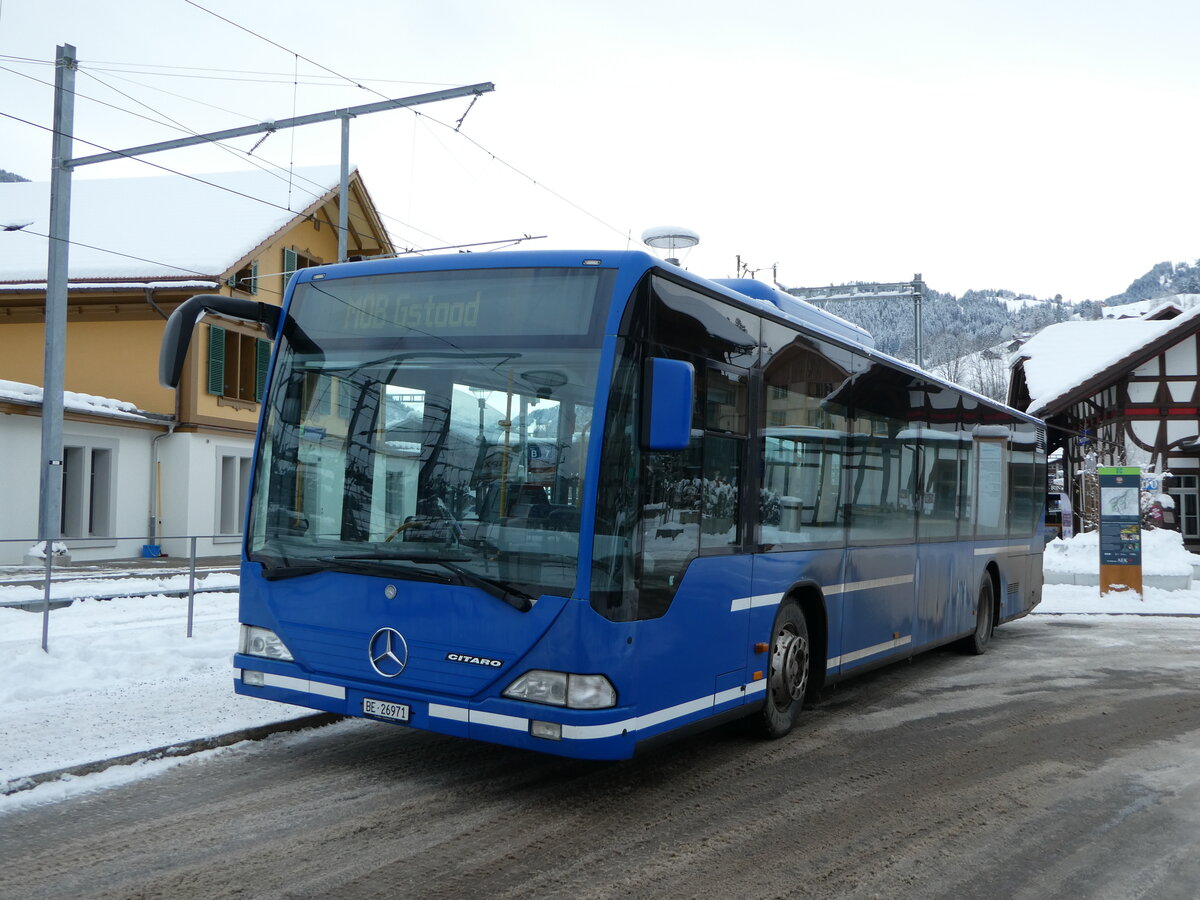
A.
pixel 172 123
pixel 139 68
pixel 154 165
pixel 456 128
pixel 359 84
pixel 405 252
pixel 262 275
pixel 245 156
pixel 154 262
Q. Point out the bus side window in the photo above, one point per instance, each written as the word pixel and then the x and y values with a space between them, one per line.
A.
pixel 803 446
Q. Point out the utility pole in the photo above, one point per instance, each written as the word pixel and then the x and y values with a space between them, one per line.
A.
pixel 918 295
pixel 62 166
pixel 50 479
pixel 914 289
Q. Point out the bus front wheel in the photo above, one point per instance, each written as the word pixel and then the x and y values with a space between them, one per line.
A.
pixel 787 671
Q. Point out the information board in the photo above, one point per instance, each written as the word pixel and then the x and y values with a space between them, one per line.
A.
pixel 1120 528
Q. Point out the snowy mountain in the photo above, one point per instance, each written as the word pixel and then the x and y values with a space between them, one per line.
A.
pixel 967 333
pixel 1163 280
pixel 951 325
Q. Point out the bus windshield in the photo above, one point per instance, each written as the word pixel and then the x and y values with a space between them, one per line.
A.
pixel 432 425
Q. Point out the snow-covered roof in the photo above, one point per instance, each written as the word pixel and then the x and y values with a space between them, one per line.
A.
pixel 1063 357
pixel 175 226
pixel 31 394
pixel 37 287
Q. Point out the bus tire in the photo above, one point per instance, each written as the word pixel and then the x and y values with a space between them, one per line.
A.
pixel 788 667
pixel 985 615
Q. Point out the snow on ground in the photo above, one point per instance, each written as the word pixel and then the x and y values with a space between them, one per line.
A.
pixel 1162 554
pixel 121 676
pixel 86 587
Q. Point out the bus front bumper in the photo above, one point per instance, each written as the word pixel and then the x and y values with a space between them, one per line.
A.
pixel 583 734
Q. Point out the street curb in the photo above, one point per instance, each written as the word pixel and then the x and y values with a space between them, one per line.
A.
pixel 1143 615
pixel 183 748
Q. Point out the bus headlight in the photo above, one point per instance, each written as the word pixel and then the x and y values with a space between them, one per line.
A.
pixel 590 692
pixel 563 689
pixel 263 642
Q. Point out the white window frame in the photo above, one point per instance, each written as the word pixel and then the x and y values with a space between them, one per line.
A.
pixel 232 481
pixel 89 490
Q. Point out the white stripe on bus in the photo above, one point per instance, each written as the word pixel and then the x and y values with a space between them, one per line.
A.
pixel 856 655
pixel 607 729
pixel 1015 548
pixel 303 685
pixel 740 604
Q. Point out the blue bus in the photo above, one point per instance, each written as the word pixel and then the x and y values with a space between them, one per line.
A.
pixel 583 502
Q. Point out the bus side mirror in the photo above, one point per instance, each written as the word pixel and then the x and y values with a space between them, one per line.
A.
pixel 178 332
pixel 668 386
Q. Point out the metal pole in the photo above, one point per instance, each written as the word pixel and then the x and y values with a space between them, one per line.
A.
pixel 192 587
pixel 344 190
pixel 918 287
pixel 50 504
pixel 381 106
pixel 46 604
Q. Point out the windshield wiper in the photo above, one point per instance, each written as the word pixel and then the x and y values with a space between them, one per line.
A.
pixel 410 566
pixel 273 572
pixel 384 563
pixel 518 600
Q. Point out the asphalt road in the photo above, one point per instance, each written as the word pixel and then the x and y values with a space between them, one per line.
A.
pixel 1064 763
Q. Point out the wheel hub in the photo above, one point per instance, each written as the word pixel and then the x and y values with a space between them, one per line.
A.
pixel 789 666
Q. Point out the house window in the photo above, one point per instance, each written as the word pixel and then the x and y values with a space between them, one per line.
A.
pixel 237 364
pixel 87 491
pixel 233 476
pixel 246 279
pixel 293 261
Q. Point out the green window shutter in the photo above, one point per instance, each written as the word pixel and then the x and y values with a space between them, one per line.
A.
pixel 253 286
pixel 262 358
pixel 216 360
pixel 289 265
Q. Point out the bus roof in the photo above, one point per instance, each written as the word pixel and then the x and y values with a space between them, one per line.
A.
pixel 751 293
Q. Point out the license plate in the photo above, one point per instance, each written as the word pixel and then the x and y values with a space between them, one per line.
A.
pixel 385 710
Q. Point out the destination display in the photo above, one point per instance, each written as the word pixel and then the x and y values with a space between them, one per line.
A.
pixel 462 302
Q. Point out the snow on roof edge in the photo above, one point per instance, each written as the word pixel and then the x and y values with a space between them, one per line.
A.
pixel 75 401
pixel 1139 334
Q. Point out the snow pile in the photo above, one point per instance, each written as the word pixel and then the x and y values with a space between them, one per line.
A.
pixel 1162 554
pixel 38 550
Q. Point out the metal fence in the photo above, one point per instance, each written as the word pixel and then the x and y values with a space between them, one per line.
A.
pixel 110 569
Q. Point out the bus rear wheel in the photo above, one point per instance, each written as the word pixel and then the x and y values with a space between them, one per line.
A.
pixel 788 668
pixel 985 615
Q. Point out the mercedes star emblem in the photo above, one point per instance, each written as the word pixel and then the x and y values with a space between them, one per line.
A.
pixel 388 652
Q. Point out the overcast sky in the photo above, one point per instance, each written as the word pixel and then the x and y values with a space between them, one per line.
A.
pixel 1046 147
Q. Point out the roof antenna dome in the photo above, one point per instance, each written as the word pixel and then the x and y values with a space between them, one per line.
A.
pixel 670 238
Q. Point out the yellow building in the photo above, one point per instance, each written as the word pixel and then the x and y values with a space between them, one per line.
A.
pixel 139 248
